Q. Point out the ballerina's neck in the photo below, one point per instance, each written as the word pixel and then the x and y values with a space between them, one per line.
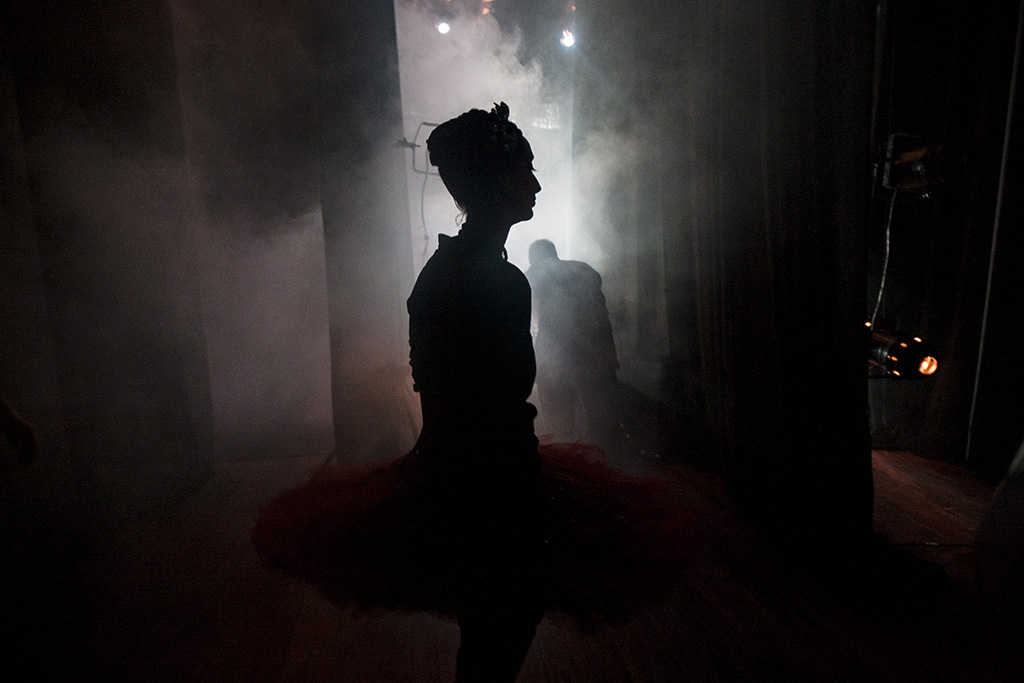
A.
pixel 485 235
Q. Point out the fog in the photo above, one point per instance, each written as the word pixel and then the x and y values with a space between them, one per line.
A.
pixel 229 219
pixel 248 86
pixel 479 62
pixel 265 320
pixel 475 65
pixel 214 212
pixel 512 53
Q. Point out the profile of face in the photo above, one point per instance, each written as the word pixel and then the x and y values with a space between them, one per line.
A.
pixel 519 190
pixel 487 166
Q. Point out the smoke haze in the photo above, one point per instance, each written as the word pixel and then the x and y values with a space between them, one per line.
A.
pixel 474 66
pixel 248 91
pixel 223 229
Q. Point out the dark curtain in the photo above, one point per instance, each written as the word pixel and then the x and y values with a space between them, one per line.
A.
pixel 996 430
pixel 366 228
pixel 135 134
pixel 783 255
pixel 101 346
pixel 757 118
pixel 94 144
pixel 944 80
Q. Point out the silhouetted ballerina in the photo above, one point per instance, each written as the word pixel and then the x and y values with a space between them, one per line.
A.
pixel 480 522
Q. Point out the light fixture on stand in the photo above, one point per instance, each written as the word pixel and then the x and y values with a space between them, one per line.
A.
pixel 900 355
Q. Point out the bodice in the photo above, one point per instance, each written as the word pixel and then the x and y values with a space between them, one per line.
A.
pixel 471 351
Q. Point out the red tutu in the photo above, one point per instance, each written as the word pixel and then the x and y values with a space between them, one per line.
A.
pixel 366 536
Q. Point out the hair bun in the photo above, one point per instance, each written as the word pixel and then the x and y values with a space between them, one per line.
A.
pixel 473 149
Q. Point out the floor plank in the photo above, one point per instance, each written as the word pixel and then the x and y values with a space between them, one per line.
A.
pixel 182 596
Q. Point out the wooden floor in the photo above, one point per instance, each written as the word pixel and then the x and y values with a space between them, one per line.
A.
pixel 182 597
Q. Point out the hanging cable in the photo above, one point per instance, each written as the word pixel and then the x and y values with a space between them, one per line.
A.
pixel 426 173
pixel 888 249
pixel 423 217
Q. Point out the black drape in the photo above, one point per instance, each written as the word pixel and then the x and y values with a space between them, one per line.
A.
pixel 944 83
pixel 755 123
pixel 97 150
pixel 101 346
pixel 785 256
pixel 366 228
pixel 995 427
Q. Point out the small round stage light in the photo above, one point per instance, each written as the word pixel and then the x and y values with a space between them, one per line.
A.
pixel 567 38
pixel 443 27
pixel 915 358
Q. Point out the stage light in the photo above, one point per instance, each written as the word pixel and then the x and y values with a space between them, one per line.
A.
pixel 900 355
pixel 567 38
pixel 443 27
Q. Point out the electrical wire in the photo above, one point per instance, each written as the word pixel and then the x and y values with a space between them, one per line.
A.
pixel 426 173
pixel 888 249
pixel 423 217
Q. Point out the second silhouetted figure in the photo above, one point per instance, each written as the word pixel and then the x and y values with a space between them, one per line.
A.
pixel 576 357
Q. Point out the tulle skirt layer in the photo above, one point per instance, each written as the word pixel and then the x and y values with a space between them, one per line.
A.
pixel 588 541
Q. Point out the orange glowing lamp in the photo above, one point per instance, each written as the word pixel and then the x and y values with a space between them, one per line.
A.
pixel 915 359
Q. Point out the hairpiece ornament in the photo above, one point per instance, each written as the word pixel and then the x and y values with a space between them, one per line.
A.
pixel 505 135
pixel 501 111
